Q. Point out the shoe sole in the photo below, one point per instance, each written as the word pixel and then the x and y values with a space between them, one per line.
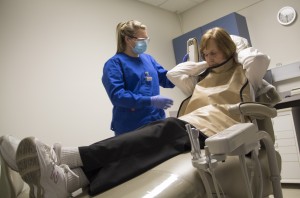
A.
pixel 28 163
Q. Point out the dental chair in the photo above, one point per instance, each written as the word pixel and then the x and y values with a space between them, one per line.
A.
pixel 188 176
pixel 182 175
pixel 239 162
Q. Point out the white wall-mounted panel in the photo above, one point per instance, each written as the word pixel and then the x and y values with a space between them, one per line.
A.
pixel 286 72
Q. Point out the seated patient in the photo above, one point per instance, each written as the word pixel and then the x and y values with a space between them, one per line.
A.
pixel 58 171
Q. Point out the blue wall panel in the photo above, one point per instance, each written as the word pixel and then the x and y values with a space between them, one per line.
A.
pixel 233 23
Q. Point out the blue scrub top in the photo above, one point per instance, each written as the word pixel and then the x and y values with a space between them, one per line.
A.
pixel 129 83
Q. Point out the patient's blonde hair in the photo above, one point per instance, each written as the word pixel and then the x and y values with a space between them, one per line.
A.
pixel 129 29
pixel 222 39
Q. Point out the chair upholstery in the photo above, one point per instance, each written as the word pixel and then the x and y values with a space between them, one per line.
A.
pixel 175 177
pixel 11 183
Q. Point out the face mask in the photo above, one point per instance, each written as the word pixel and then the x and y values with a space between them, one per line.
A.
pixel 140 47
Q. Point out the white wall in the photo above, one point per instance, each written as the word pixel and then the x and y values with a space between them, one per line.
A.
pixel 51 59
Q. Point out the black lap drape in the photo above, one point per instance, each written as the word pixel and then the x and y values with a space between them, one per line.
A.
pixel 113 161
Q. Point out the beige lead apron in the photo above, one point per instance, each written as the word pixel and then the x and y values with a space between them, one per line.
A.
pixel 207 109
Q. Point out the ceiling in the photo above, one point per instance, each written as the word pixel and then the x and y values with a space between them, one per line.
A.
pixel 176 6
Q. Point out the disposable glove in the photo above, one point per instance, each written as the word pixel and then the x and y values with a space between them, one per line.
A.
pixel 161 102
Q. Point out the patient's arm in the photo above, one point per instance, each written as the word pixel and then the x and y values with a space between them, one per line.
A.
pixel 255 63
pixel 240 42
pixel 185 75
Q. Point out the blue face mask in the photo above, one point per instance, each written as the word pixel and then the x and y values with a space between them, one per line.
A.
pixel 140 47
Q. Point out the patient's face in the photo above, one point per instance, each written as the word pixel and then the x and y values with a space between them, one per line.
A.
pixel 213 56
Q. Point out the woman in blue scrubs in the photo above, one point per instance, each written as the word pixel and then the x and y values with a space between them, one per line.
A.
pixel 132 80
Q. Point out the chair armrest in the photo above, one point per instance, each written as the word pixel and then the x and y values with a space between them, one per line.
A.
pixel 254 110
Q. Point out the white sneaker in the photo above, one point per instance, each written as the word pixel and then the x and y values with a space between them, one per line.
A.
pixel 8 149
pixel 37 166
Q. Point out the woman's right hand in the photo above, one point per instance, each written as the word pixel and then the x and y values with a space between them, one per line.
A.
pixel 161 102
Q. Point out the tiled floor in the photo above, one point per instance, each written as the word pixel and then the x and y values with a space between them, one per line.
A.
pixel 290 191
